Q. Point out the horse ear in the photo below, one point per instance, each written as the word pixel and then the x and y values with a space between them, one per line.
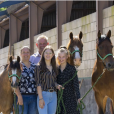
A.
pixel 18 59
pixel 109 34
pixel 99 34
pixel 71 35
pixel 80 35
pixel 10 59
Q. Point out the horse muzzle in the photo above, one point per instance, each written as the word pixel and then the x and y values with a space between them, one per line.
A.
pixel 77 62
pixel 15 85
pixel 110 66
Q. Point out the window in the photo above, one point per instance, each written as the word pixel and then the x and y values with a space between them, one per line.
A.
pixel 49 19
pixel 6 40
pixel 24 30
pixel 82 8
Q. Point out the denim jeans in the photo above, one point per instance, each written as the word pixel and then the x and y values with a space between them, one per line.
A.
pixel 30 104
pixel 50 99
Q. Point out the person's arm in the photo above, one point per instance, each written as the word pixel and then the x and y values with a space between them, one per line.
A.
pixel 76 84
pixel 39 89
pixel 57 85
pixel 41 100
pixel 20 99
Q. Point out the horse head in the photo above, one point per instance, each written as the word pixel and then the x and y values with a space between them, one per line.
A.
pixel 75 47
pixel 14 71
pixel 104 50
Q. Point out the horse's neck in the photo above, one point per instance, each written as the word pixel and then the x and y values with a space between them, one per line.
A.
pixel 70 61
pixel 4 76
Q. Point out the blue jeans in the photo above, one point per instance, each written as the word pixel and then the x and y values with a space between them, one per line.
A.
pixel 30 104
pixel 50 99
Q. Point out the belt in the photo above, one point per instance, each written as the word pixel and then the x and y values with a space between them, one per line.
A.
pixel 28 94
pixel 50 90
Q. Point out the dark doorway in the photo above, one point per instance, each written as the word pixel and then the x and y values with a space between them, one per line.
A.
pixel 49 19
pixel 6 40
pixel 82 8
pixel 24 30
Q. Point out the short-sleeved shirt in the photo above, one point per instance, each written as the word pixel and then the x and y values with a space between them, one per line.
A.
pixel 35 58
pixel 27 84
pixel 45 79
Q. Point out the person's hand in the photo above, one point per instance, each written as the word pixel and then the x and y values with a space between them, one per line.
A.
pixel 59 87
pixel 41 103
pixel 20 100
pixel 79 100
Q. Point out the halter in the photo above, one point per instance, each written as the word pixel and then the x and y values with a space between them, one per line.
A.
pixel 75 51
pixel 104 57
pixel 14 75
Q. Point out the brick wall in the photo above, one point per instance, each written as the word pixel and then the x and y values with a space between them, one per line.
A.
pixel 108 22
pixel 19 45
pixel 3 56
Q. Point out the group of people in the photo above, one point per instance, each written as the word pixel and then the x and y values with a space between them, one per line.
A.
pixel 43 75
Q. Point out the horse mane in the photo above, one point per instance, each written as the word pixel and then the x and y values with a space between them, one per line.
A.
pixel 68 45
pixel 2 72
pixel 5 67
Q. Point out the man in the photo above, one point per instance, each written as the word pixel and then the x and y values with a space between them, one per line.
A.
pixel 42 42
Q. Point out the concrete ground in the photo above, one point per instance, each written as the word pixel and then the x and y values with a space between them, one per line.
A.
pixel 91 106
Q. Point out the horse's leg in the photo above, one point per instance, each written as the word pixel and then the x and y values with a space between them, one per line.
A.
pixel 99 100
pixel 104 103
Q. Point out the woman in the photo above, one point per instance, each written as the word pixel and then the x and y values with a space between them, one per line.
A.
pixel 71 90
pixel 26 92
pixel 46 73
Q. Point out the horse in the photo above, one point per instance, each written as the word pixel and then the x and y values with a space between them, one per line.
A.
pixel 105 86
pixel 75 47
pixel 9 79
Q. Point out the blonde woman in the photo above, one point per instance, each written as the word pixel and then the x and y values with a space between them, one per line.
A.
pixel 71 90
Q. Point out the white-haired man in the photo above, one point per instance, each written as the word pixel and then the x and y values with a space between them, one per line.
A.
pixel 42 42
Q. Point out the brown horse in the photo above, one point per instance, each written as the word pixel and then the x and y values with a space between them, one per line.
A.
pixel 105 86
pixel 9 79
pixel 75 47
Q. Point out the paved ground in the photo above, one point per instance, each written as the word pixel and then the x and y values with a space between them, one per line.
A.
pixel 90 103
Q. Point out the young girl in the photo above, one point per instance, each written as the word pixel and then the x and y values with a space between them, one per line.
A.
pixel 46 73
pixel 71 90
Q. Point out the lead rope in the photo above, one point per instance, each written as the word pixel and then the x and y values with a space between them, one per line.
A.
pixel 16 107
pixel 60 96
pixel 81 105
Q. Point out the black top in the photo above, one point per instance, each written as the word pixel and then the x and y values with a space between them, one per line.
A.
pixel 71 90
pixel 45 79
pixel 66 75
pixel 27 84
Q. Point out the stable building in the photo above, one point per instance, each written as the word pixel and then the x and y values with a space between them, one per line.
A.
pixel 23 21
